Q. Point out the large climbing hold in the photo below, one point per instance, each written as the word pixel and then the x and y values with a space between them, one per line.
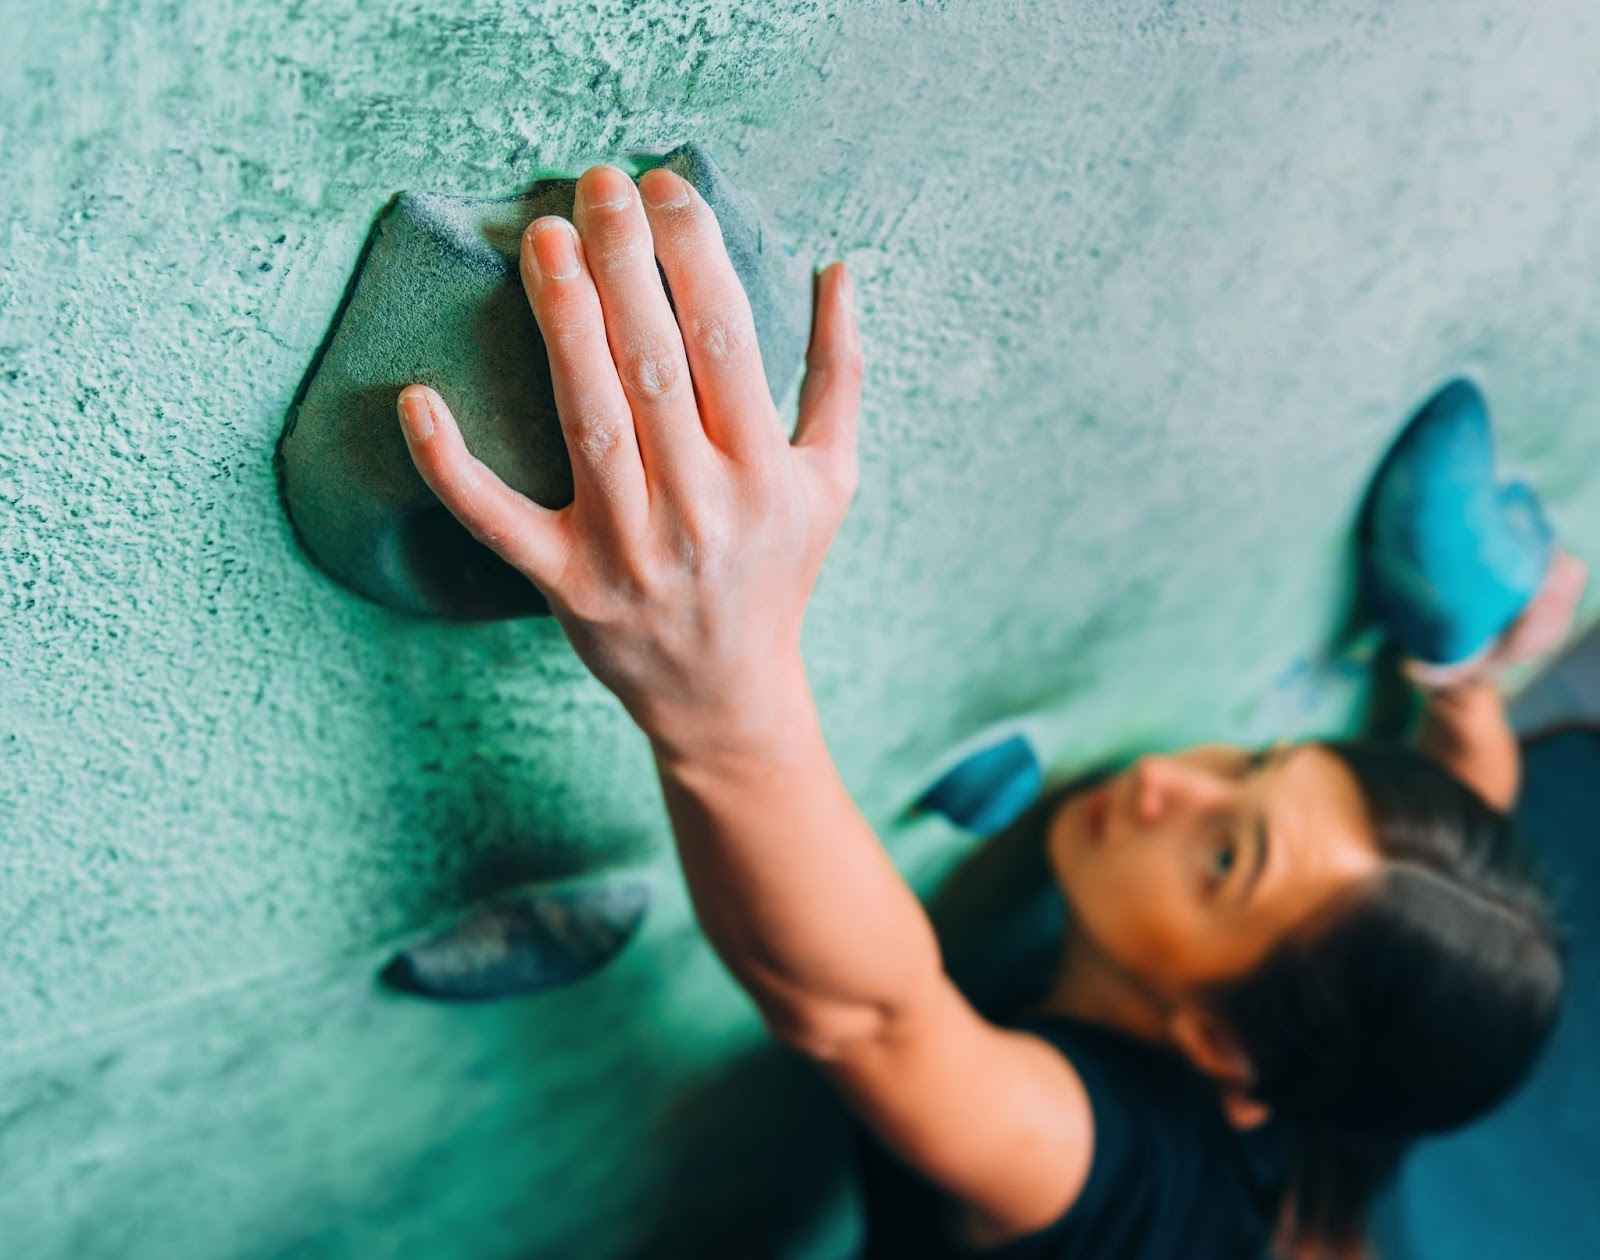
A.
pixel 437 299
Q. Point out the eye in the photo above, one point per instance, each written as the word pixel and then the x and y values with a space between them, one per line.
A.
pixel 1223 860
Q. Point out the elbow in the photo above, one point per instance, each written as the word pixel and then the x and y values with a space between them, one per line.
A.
pixel 833 1030
pixel 825 1033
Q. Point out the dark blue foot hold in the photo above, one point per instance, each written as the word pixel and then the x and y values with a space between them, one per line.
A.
pixel 989 790
pixel 530 938
pixel 1450 557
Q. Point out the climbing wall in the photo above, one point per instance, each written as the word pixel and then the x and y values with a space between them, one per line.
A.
pixel 1145 288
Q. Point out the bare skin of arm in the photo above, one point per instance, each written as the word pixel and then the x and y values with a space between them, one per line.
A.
pixel 680 573
pixel 1464 724
pixel 842 960
pixel 1465 728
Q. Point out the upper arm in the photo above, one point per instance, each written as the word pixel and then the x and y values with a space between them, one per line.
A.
pixel 999 1120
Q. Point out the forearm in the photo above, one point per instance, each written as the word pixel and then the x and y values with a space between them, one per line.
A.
pixel 1466 729
pixel 789 882
pixel 681 570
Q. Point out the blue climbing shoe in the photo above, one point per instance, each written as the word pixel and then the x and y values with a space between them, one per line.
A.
pixel 1450 557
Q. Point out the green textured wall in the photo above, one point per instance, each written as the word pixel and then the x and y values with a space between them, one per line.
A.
pixel 1145 287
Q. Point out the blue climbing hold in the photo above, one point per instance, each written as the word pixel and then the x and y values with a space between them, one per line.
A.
pixel 989 790
pixel 1450 557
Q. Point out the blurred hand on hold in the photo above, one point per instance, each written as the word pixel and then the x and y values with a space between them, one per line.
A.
pixel 681 569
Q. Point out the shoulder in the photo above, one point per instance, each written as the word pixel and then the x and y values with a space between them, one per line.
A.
pixel 1165 1168
pixel 996 1118
pixel 1045 1138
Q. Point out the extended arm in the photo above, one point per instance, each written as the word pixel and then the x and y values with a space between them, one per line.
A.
pixel 791 885
pixel 680 573
pixel 804 906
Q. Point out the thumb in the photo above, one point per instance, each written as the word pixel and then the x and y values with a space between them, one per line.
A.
pixel 524 534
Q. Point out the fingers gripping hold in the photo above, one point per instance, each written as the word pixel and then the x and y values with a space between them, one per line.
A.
pixel 638 324
pixel 596 419
pixel 719 335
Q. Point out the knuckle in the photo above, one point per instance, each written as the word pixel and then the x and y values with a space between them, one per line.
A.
pixel 723 334
pixel 565 313
pixel 702 542
pixel 599 434
pixel 563 326
pixel 613 251
pixel 655 371
pixel 491 536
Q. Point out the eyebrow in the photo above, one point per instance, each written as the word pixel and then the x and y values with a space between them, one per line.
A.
pixel 1263 845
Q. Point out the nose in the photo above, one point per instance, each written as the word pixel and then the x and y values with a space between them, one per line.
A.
pixel 1165 788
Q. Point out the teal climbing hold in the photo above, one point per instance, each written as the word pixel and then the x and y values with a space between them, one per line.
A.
pixel 990 789
pixel 1450 557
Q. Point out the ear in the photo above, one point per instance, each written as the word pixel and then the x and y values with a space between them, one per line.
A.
pixel 1209 1044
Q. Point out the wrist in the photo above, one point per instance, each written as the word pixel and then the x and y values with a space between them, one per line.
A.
pixel 767 721
pixel 1473 674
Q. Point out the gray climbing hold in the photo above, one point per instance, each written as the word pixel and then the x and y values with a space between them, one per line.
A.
pixel 437 299
pixel 534 937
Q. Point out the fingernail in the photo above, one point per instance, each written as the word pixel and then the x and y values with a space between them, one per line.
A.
pixel 416 414
pixel 663 189
pixel 605 188
pixel 554 248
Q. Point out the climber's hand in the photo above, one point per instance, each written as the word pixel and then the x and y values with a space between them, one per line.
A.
pixel 1540 629
pixel 681 570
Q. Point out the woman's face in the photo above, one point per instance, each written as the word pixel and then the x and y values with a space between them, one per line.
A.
pixel 1189 869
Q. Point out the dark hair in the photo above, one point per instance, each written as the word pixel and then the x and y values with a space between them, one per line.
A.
pixel 1415 1007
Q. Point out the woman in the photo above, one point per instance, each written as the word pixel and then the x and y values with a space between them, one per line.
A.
pixel 1236 913
pixel 1343 947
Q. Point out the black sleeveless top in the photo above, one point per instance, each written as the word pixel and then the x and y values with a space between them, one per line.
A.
pixel 1170 1178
